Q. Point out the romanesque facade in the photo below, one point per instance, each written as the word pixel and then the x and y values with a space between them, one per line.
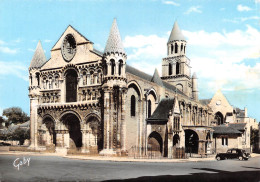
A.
pixel 93 102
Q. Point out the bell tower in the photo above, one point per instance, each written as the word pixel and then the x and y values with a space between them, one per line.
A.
pixel 176 68
pixel 114 93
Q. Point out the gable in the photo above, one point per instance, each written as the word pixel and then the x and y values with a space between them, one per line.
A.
pixel 219 103
pixel 80 39
pixel 85 53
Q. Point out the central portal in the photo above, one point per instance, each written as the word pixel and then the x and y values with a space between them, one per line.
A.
pixel 72 122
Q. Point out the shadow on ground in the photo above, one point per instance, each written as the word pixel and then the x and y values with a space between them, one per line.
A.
pixel 218 176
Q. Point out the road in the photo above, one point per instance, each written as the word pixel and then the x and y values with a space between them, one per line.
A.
pixel 55 168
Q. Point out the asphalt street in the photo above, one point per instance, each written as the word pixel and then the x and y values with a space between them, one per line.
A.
pixel 55 168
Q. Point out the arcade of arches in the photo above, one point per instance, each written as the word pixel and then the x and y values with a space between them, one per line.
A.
pixel 71 133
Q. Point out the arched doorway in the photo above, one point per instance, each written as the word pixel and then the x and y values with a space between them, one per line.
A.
pixel 176 140
pixel 71 85
pixel 72 123
pixel 191 141
pixel 47 132
pixel 219 118
pixel 155 143
pixel 94 135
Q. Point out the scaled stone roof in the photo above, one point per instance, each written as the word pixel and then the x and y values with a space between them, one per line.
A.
pixel 225 129
pixel 114 43
pixel 176 33
pixel 39 58
pixel 162 110
pixel 156 78
pixel 194 75
pixel 149 78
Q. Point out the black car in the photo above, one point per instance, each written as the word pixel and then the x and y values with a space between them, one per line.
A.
pixel 233 154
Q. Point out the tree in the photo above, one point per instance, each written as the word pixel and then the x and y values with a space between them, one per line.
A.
pixel 21 135
pixel 2 121
pixel 15 115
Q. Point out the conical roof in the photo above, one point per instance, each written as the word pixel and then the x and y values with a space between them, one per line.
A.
pixel 194 75
pixel 114 43
pixel 176 33
pixel 156 78
pixel 39 57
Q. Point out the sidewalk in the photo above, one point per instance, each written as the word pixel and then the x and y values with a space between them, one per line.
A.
pixel 114 159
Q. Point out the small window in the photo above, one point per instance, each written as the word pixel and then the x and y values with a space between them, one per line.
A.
pixel 120 67
pixel 170 69
pixel 176 48
pixel 112 63
pixel 177 68
pixel 149 108
pixel 224 141
pixel 171 49
pixel 132 105
pixel 38 78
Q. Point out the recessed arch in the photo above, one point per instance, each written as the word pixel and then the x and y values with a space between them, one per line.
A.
pixel 176 140
pixel 155 142
pixel 179 87
pixel 71 77
pixel 191 141
pixel 219 118
pixel 133 84
pixel 94 134
pixel 50 133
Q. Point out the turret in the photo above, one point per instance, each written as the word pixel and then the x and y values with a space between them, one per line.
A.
pixel 114 59
pixel 114 94
pixel 37 62
pixel 195 90
pixel 177 42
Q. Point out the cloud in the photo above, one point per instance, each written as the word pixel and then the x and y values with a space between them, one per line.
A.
pixel 241 19
pixel 47 40
pixel 146 50
pixel 193 9
pixel 14 68
pixel 222 9
pixel 170 3
pixel 240 7
pixel 7 50
pixel 217 57
pixel 220 58
pixel 2 42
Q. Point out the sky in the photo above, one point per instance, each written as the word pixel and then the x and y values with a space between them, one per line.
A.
pixel 223 40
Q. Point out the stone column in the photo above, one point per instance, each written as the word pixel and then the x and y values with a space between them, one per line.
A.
pixel 170 145
pixel 109 69
pixel 201 147
pixel 85 147
pixel 33 122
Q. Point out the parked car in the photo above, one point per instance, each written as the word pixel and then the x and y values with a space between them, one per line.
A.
pixel 233 153
pixel 4 144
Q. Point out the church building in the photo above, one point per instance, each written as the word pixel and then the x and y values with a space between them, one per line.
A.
pixel 87 101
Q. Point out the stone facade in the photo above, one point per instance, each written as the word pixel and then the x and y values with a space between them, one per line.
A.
pixel 88 101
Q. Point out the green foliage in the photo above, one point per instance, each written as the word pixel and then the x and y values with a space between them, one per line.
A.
pixel 15 115
pixel 2 121
pixel 21 135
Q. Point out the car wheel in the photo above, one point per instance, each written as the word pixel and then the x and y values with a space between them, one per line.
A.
pixel 240 158
pixel 218 158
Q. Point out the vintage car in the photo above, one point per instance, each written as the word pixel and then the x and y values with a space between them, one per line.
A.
pixel 233 153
